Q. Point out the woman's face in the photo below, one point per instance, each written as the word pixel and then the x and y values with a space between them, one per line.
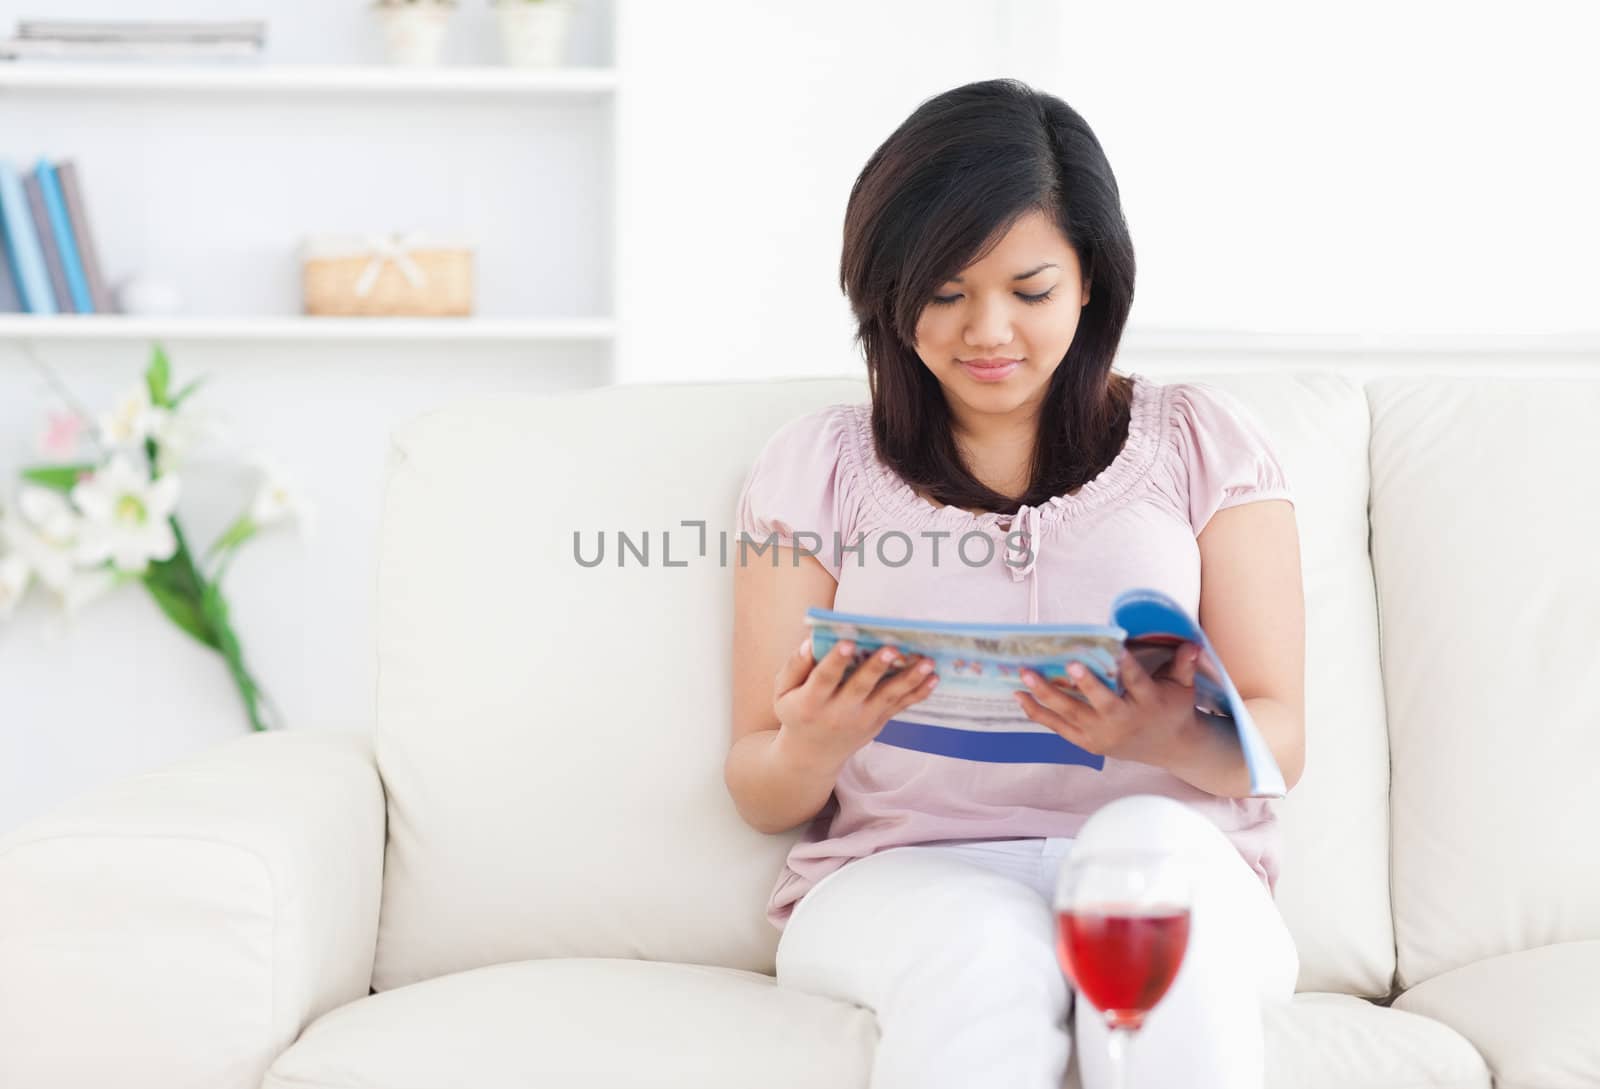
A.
pixel 1020 303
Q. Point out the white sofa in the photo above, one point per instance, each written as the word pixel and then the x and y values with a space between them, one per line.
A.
pixel 534 875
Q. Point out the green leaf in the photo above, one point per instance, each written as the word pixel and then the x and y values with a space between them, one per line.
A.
pixel 177 574
pixel 183 394
pixel 216 612
pixel 158 377
pixel 183 610
pixel 59 478
pixel 236 534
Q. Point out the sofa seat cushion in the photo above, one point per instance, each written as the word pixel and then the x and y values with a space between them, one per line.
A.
pixel 1534 1015
pixel 605 1023
pixel 621 1024
pixel 1335 1041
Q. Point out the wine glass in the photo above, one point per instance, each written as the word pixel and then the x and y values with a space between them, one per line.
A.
pixel 1122 927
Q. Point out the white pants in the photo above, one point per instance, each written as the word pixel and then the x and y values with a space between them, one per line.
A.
pixel 952 946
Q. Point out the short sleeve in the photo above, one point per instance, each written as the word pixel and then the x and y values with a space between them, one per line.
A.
pixel 801 484
pixel 1223 452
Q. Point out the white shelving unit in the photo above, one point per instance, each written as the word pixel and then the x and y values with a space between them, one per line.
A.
pixel 96 327
pixel 304 78
pixel 80 96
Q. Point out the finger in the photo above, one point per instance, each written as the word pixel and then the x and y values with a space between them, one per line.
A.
pixel 1085 680
pixel 1050 692
pixel 1060 723
pixel 919 693
pixel 882 714
pixel 1135 680
pixel 867 675
pixel 830 667
pixel 893 692
pixel 792 674
pixel 1187 664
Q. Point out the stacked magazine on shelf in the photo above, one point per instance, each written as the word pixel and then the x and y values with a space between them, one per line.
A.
pixel 972 714
pixel 140 39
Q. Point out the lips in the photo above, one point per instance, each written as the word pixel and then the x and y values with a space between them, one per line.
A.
pixel 990 370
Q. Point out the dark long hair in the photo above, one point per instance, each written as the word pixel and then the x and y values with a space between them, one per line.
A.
pixel 940 193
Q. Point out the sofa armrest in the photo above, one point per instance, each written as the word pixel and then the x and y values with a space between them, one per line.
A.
pixel 180 928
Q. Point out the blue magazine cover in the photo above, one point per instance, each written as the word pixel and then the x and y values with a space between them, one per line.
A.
pixel 972 714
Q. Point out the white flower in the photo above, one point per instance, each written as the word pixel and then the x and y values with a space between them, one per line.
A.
pixel 178 432
pixel 276 501
pixel 125 516
pixel 133 420
pixel 15 575
pixel 44 534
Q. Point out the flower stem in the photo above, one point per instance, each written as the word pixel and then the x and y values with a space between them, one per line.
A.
pixel 214 608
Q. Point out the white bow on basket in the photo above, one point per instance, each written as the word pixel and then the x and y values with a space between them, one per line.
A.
pixel 390 247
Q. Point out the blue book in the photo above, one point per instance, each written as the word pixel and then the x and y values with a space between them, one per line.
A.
pixel 22 244
pixel 61 226
pixel 972 714
pixel 10 300
pixel 47 240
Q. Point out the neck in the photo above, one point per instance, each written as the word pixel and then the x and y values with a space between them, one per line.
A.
pixel 998 450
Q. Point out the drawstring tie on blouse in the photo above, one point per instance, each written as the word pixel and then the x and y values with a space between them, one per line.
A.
pixel 1026 522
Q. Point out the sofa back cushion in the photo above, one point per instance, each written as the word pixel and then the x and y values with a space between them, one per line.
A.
pixel 1485 518
pixel 1334 888
pixel 551 736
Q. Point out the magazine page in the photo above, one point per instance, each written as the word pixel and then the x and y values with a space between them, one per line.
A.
pixel 1156 625
pixel 972 714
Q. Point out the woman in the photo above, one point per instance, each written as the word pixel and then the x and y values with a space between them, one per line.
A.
pixel 991 272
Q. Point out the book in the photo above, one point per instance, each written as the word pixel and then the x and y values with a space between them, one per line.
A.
pixel 61 225
pixel 49 245
pixel 972 714
pixel 88 252
pixel 22 244
pixel 140 29
pixel 10 298
pixel 24 48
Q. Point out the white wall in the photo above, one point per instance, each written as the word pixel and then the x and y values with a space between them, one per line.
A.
pixel 1362 167
pixel 1367 166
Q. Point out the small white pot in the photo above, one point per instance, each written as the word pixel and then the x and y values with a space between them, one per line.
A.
pixel 413 34
pixel 533 33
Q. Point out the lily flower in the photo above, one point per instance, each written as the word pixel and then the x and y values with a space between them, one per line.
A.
pixel 132 421
pixel 277 501
pixel 43 532
pixel 125 516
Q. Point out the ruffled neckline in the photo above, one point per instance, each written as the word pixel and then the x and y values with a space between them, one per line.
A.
pixel 902 503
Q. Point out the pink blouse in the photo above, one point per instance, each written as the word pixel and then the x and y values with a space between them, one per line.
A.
pixel 1192 450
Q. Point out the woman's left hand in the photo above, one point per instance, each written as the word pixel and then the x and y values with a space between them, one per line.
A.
pixel 1147 723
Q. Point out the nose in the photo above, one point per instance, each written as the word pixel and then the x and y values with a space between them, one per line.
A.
pixel 989 328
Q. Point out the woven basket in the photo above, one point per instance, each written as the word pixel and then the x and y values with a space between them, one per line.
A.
pixel 332 272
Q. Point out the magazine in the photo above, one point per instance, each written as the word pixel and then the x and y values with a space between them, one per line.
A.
pixel 972 714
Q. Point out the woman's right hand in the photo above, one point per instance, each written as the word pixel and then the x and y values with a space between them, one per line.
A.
pixel 823 721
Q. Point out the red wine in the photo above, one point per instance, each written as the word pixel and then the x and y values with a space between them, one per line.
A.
pixel 1122 959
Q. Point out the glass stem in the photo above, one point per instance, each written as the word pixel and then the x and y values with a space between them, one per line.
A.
pixel 1117 1041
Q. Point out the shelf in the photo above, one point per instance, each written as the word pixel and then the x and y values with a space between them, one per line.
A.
pixel 1192 341
pixel 118 327
pixel 250 76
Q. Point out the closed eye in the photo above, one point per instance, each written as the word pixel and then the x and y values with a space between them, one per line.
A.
pixel 946 300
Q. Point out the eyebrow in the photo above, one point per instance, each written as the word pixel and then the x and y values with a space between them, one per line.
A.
pixel 1018 276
